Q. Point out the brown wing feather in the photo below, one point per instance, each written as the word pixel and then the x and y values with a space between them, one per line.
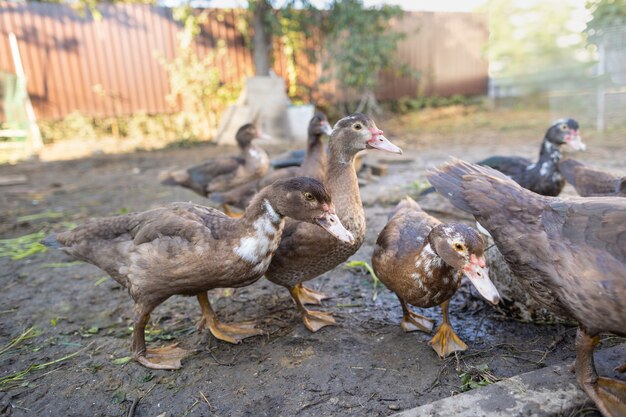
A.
pixel 570 253
pixel 588 181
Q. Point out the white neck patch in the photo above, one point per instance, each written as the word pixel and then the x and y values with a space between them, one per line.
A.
pixel 258 248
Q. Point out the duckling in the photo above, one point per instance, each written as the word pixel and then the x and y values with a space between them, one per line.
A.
pixel 188 249
pixel 221 174
pixel 422 261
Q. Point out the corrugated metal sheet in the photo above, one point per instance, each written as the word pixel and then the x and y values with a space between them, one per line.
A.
pixel 109 66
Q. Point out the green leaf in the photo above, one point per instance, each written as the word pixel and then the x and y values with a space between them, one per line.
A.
pixel 122 361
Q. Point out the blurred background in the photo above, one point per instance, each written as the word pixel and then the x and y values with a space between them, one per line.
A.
pixel 123 75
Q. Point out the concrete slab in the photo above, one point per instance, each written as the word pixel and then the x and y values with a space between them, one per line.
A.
pixel 551 391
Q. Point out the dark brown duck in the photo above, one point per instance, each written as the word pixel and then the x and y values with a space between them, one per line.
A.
pixel 569 253
pixel 187 249
pixel 543 176
pixel 221 174
pixel 422 261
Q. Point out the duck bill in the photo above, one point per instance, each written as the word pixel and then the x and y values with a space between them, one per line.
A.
pixel 332 224
pixel 378 141
pixel 326 129
pixel 479 277
pixel 575 141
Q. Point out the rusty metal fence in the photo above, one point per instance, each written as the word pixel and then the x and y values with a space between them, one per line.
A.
pixel 109 66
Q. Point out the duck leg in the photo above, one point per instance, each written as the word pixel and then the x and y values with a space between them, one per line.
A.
pixel 445 340
pixel 231 333
pixel 313 320
pixel 412 321
pixel 310 296
pixel 608 394
pixel 168 357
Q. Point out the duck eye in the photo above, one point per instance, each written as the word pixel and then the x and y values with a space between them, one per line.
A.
pixel 458 246
pixel 309 196
pixel 564 127
pixel 358 126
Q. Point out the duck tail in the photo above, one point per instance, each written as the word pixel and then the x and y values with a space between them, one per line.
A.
pixel 51 241
pixel 450 181
pixel 174 177
pixel 407 203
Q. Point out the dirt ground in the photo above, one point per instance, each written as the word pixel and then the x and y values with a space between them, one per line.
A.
pixel 73 362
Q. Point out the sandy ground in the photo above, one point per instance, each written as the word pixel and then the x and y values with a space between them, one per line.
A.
pixel 74 356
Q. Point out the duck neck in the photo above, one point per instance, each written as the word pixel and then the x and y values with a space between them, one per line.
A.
pixel 343 185
pixel 549 152
pixel 549 157
pixel 262 206
pixel 263 230
pixel 315 154
pixel 431 263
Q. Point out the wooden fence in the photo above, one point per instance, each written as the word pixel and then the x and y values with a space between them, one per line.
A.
pixel 110 67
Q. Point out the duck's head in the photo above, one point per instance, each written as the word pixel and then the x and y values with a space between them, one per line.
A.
pixel 319 126
pixel 306 199
pixel 247 133
pixel 463 248
pixel 565 131
pixel 357 132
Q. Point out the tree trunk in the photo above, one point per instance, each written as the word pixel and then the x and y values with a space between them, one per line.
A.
pixel 262 38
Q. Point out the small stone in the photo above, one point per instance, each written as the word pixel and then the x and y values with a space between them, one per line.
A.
pixel 394 407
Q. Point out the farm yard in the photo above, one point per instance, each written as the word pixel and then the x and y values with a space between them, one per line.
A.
pixel 66 326
pixel 460 165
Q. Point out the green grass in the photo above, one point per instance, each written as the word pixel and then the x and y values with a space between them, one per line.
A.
pixel 28 334
pixel 61 264
pixel 9 381
pixel 476 377
pixel 368 268
pixel 22 247
pixel 38 216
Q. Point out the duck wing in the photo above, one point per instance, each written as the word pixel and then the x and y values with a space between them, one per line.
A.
pixel 406 229
pixel 189 221
pixel 588 181
pixel 570 254
pixel 512 166
pixel 204 174
pixel 110 242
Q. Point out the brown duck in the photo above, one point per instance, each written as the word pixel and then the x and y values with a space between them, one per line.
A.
pixel 422 261
pixel 314 166
pixel 591 182
pixel 304 253
pixel 569 253
pixel 187 249
pixel 221 174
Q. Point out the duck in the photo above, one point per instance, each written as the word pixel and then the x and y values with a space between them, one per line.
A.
pixel 590 182
pixel 313 166
pixel 569 253
pixel 303 252
pixel 188 249
pixel 422 260
pixel 542 177
pixel 223 173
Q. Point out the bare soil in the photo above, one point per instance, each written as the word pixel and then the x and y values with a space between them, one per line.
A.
pixel 364 366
